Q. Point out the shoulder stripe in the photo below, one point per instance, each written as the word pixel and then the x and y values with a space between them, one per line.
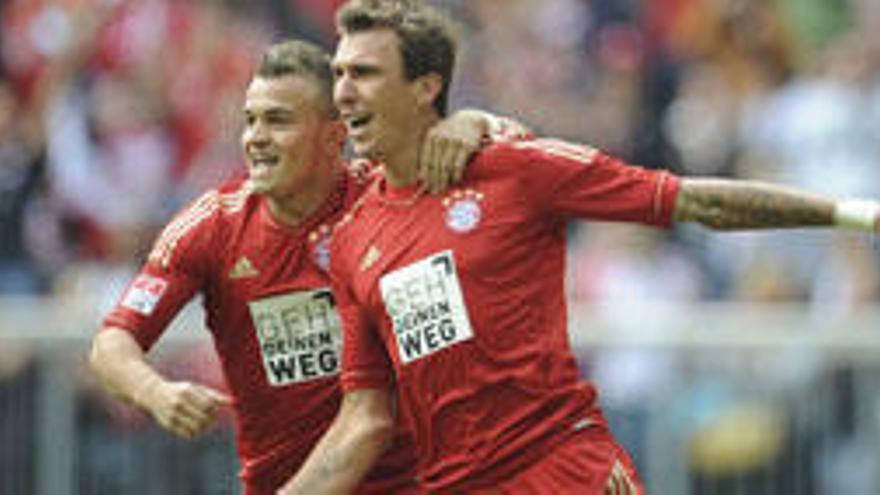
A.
pixel 203 208
pixel 235 200
pixel 190 218
pixel 578 152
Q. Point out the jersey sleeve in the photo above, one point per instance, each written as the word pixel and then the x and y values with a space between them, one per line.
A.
pixel 569 180
pixel 365 363
pixel 175 271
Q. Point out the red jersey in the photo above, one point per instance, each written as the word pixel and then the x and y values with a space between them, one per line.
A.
pixel 459 300
pixel 270 311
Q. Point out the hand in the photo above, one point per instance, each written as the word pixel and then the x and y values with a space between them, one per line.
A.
pixel 447 148
pixel 183 408
pixel 507 129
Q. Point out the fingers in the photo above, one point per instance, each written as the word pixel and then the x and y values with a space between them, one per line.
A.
pixel 515 129
pixel 459 164
pixel 444 162
pixel 187 409
pixel 220 399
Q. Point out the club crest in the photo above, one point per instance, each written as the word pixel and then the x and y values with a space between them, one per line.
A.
pixel 463 210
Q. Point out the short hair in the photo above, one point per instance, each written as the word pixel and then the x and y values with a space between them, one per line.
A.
pixel 428 41
pixel 300 58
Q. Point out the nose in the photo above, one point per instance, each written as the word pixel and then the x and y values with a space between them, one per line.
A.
pixel 255 135
pixel 343 90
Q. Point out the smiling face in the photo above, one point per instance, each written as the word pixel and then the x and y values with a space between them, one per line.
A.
pixel 383 112
pixel 288 139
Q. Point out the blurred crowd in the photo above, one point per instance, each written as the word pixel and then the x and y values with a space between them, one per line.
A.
pixel 115 113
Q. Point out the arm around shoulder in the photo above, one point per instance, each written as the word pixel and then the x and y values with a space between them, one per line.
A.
pixel 360 434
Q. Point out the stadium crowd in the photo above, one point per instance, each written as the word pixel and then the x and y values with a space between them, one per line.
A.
pixel 117 112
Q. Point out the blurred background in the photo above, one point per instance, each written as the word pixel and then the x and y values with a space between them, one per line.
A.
pixel 728 363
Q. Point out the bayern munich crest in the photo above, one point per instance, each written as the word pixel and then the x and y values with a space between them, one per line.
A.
pixel 463 210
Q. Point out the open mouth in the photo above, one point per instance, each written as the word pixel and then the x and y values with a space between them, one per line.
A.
pixel 355 123
pixel 264 161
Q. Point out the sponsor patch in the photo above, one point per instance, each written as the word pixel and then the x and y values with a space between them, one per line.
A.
pixel 426 307
pixel 144 294
pixel 463 211
pixel 299 334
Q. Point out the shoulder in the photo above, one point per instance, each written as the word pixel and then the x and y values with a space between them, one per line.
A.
pixel 200 219
pixel 534 150
pixel 548 148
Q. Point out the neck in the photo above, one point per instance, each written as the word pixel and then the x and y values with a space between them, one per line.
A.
pixel 293 209
pixel 402 164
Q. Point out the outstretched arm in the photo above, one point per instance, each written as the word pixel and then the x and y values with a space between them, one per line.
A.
pixel 733 204
pixel 183 408
pixel 361 432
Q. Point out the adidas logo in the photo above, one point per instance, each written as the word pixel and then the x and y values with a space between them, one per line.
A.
pixel 243 269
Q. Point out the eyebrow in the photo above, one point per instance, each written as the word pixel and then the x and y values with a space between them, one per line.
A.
pixel 356 66
pixel 272 112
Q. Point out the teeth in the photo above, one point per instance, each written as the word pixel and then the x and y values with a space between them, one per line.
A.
pixel 264 161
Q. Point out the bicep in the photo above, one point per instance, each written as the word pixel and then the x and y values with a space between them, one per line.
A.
pixel 568 180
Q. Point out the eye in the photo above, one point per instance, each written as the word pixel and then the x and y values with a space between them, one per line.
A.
pixel 278 119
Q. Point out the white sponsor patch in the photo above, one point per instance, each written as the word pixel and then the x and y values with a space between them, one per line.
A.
pixel 299 335
pixel 144 294
pixel 426 307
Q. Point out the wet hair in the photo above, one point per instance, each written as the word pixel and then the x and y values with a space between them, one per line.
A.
pixel 300 58
pixel 427 38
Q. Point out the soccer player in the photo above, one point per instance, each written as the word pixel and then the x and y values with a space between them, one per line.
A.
pixel 256 249
pixel 454 303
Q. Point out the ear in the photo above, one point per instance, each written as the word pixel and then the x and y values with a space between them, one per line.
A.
pixel 427 88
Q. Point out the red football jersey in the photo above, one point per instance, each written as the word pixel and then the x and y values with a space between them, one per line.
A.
pixel 270 311
pixel 458 299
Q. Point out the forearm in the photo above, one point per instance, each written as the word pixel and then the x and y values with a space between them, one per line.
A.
pixel 345 453
pixel 120 364
pixel 732 204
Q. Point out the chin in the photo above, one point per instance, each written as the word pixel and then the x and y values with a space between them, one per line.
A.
pixel 257 186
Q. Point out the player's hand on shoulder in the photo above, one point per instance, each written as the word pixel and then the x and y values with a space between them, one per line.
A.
pixel 448 146
pixel 502 129
pixel 184 408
